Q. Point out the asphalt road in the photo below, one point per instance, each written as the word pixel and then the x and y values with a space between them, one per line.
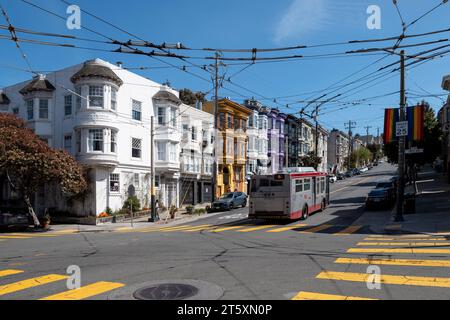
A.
pixel 246 259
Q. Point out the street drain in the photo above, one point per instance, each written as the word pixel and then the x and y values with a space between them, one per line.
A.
pixel 166 291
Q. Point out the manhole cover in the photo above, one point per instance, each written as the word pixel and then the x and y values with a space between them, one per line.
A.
pixel 166 291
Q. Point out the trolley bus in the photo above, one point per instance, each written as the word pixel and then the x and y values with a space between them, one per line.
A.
pixel 292 194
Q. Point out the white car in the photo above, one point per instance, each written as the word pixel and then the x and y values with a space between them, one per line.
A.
pixel 364 169
pixel 332 178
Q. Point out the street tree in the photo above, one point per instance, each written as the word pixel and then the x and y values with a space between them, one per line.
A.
pixel 28 163
pixel 431 144
pixel 310 160
pixel 360 156
pixel 191 98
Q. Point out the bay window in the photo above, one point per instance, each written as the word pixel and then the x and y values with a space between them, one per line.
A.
pixel 113 99
pixel 43 109
pixel 96 96
pixel 95 140
pixel 30 109
pixel 113 141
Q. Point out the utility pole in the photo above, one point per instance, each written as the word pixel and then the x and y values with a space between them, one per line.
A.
pixel 216 108
pixel 154 216
pixel 316 114
pixel 367 134
pixel 401 145
pixel 350 125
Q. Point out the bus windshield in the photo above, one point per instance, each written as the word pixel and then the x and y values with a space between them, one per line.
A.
pixel 267 184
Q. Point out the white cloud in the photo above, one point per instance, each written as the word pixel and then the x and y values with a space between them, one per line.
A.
pixel 301 18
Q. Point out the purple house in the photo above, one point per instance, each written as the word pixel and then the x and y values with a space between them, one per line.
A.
pixel 275 134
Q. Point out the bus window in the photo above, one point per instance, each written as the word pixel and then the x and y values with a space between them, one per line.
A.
pixel 298 185
pixel 307 185
pixel 274 183
pixel 322 185
pixel 264 182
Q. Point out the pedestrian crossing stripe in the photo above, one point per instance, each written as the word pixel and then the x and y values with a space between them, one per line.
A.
pixel 30 283
pixel 84 292
pixel 257 228
pixel 349 230
pixel 198 228
pixel 386 279
pixel 10 272
pixel 303 295
pixel 317 229
pixel 287 228
pixel 404 239
pixel 406 244
pixel 395 262
pixel 396 250
pixel 228 228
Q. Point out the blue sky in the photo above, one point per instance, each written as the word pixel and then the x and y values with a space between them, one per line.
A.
pixel 246 24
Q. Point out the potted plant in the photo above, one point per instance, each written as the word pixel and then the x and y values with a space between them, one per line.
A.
pixel 45 222
pixel 173 210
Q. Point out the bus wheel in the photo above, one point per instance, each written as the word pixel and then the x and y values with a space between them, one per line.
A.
pixel 305 214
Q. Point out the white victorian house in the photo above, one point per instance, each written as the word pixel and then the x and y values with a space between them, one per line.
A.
pixel 100 113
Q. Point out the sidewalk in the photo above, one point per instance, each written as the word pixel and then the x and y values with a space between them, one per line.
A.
pixel 432 209
pixel 139 223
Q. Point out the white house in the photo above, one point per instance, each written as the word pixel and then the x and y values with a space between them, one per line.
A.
pixel 197 147
pixel 100 113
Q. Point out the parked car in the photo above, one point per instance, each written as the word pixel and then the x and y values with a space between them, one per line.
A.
pixel 10 220
pixel 356 172
pixel 332 178
pixel 363 169
pixel 379 199
pixel 229 201
pixel 340 176
pixel 387 185
pixel 349 174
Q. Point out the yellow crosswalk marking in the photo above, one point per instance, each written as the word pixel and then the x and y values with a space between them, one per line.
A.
pixel 287 228
pixel 29 283
pixel 389 250
pixel 406 244
pixel 403 239
pixel 303 295
pixel 317 229
pixel 257 228
pixel 386 279
pixel 198 228
pixel 85 291
pixel 10 272
pixel 228 228
pixel 396 262
pixel 347 231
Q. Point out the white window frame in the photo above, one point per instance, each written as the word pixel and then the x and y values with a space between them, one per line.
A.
pixel 68 148
pixel 97 92
pixel 94 137
pixel 136 144
pixel 113 148
pixel 68 104
pixel 44 108
pixel 136 110
pixel 114 178
pixel 113 99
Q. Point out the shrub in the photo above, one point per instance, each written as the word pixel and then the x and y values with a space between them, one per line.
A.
pixel 189 209
pixel 132 202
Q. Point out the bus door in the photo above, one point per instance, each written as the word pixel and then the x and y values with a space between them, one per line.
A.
pixel 315 190
pixel 327 188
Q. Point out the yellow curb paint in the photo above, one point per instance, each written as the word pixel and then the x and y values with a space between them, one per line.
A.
pixel 404 239
pixel 386 250
pixel 228 228
pixel 303 295
pixel 256 228
pixel 85 291
pixel 14 237
pixel 347 231
pixel 29 283
pixel 410 244
pixel 33 235
pixel 66 231
pixel 402 236
pixel 10 272
pixel 396 262
pixel 386 279
pixel 317 229
pixel 161 229
pixel 287 228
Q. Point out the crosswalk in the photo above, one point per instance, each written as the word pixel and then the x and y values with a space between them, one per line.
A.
pixel 388 250
pixel 245 228
pixel 14 281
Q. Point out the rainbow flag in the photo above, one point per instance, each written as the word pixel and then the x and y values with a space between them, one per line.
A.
pixel 391 117
pixel 416 117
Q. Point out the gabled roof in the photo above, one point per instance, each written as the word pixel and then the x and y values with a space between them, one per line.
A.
pixel 39 83
pixel 3 98
pixel 95 69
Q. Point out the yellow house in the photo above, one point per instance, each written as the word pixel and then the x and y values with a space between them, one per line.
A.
pixel 231 145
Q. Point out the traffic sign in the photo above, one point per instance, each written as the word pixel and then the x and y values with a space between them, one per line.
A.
pixel 413 150
pixel 401 129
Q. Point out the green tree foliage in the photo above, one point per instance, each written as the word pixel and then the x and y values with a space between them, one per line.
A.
pixel 132 202
pixel 432 143
pixel 190 98
pixel 360 157
pixel 28 163
pixel 310 160
pixel 376 150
